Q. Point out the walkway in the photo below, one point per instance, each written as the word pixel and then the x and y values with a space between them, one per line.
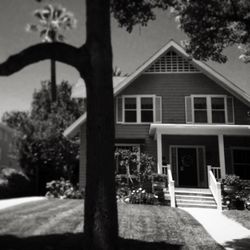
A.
pixel 16 201
pixel 228 233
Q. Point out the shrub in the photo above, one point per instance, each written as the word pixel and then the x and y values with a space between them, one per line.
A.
pixel 231 180
pixel 14 183
pixel 63 189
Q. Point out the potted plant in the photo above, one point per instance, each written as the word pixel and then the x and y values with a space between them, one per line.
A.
pixel 231 184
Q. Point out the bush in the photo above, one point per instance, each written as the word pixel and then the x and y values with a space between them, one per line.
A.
pixel 63 189
pixel 13 183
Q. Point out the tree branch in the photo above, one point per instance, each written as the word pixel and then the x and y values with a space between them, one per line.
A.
pixel 76 57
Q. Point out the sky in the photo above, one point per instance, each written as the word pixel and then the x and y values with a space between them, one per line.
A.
pixel 130 50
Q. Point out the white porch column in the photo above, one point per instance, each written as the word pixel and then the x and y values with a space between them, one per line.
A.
pixel 159 153
pixel 222 155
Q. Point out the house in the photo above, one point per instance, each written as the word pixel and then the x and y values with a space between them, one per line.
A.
pixel 8 153
pixel 185 114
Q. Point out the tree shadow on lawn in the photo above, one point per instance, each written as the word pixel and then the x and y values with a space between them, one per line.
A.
pixel 70 241
pixel 239 244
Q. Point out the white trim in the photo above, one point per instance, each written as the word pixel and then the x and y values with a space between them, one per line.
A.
pixel 203 67
pixel 197 147
pixel 159 153
pixel 138 108
pixel 209 108
pixel 199 129
pixel 222 160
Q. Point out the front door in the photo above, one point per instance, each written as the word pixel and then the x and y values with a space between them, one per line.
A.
pixel 187 167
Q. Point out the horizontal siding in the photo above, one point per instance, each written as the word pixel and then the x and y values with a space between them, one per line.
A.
pixel 174 87
pixel 131 131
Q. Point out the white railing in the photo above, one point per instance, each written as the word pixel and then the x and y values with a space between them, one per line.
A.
pixel 217 172
pixel 171 186
pixel 215 187
pixel 164 170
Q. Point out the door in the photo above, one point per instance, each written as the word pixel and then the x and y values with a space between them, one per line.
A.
pixel 187 167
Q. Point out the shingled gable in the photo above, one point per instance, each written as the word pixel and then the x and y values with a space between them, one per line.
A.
pixel 170 46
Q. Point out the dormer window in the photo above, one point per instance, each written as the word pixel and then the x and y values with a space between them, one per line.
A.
pixel 212 109
pixel 136 109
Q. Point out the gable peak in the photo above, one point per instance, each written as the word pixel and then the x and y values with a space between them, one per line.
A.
pixel 171 62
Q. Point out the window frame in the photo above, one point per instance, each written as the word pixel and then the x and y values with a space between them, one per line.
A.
pixel 210 110
pixel 133 145
pixel 138 108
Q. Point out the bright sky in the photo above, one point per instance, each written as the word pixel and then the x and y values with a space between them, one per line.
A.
pixel 129 50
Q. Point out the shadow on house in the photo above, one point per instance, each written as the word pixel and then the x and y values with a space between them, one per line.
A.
pixel 239 244
pixel 70 241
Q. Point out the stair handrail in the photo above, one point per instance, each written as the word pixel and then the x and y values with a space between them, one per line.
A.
pixel 215 187
pixel 171 186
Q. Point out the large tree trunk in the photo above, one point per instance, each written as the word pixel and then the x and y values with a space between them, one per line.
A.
pixel 53 80
pixel 100 218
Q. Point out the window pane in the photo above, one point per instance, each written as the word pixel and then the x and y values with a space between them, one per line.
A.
pixel 218 116
pixel 147 116
pixel 130 103
pixel 147 103
pixel 200 103
pixel 130 116
pixel 200 116
pixel 217 103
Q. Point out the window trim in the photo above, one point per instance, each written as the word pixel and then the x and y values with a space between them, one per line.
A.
pixel 209 108
pixel 138 109
pixel 137 145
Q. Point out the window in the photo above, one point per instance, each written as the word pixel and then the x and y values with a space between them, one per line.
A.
pixel 138 109
pixel 135 151
pixel 218 109
pixel 147 109
pixel 213 109
pixel 200 109
pixel 241 163
pixel 130 110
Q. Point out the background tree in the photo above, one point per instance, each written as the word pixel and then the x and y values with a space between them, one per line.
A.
pixel 213 25
pixel 44 153
pixel 53 20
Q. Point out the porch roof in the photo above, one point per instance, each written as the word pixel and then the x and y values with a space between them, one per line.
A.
pixel 199 129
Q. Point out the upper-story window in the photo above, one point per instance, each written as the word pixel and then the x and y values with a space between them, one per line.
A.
pixel 138 109
pixel 213 109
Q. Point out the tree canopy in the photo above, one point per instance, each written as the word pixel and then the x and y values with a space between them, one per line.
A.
pixel 42 148
pixel 213 25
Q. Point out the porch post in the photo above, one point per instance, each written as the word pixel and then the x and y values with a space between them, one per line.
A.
pixel 159 153
pixel 222 155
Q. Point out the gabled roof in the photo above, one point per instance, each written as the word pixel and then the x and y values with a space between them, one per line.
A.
pixel 201 66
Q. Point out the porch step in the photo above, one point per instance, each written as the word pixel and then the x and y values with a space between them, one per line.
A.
pixel 186 197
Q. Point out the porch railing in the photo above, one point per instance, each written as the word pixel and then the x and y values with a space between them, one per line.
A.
pixel 217 172
pixel 171 186
pixel 164 170
pixel 215 187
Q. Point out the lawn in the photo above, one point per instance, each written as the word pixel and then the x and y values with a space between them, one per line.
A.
pixel 57 224
pixel 241 216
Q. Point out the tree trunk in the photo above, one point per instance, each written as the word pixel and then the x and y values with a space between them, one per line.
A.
pixel 53 80
pixel 100 217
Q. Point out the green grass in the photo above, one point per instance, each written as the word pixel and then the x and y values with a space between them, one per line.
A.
pixel 57 224
pixel 241 216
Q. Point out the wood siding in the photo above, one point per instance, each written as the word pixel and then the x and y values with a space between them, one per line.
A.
pixel 174 87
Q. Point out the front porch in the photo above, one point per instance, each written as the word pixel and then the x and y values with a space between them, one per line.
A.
pixel 190 148
pixel 197 156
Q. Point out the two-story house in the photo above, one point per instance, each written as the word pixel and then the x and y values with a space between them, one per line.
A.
pixel 185 114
